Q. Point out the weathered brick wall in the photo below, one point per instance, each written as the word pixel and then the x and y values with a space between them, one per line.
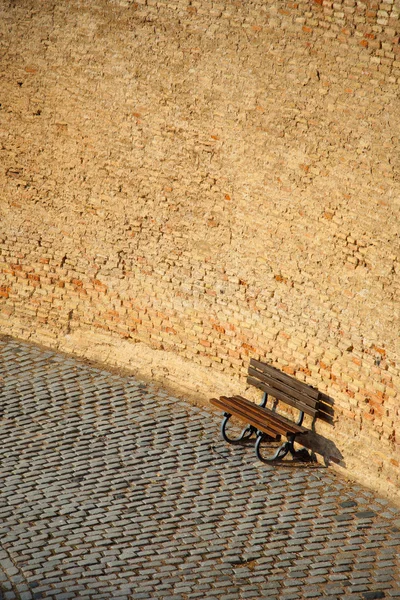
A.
pixel 188 184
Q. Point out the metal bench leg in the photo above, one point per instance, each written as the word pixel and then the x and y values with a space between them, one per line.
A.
pixel 244 436
pixel 280 453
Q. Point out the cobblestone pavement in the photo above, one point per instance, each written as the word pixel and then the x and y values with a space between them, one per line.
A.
pixel 111 489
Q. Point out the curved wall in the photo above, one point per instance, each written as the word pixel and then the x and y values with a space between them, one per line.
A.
pixel 189 184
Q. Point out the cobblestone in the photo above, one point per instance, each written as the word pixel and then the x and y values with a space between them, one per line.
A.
pixel 112 489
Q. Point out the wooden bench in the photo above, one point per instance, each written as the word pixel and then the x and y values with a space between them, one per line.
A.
pixel 266 423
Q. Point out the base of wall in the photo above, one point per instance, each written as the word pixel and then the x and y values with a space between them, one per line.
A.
pixel 196 384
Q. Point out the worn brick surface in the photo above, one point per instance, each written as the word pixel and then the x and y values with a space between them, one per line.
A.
pixel 233 165
pixel 113 489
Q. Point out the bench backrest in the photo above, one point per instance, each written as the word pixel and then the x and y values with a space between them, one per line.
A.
pixel 283 387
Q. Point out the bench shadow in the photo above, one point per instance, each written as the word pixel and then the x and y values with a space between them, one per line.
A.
pixel 319 444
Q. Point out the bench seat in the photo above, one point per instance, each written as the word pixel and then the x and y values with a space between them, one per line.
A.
pixel 267 422
pixel 264 419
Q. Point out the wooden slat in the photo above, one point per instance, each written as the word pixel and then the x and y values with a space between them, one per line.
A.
pixel 262 418
pixel 271 415
pixel 279 395
pixel 243 413
pixel 283 387
pixel 277 424
pixel 282 396
pixel 287 379
pixel 226 407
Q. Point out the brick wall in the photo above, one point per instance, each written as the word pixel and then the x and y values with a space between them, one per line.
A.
pixel 189 184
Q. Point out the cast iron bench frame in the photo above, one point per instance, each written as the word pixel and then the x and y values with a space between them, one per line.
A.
pixel 267 423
